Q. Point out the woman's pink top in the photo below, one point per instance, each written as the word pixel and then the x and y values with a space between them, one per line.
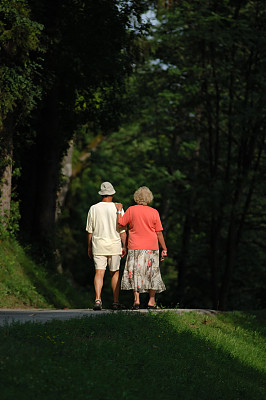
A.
pixel 143 223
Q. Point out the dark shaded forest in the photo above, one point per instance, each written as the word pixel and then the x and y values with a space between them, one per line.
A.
pixel 167 94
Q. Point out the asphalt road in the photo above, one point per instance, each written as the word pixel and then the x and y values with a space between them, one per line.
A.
pixel 9 316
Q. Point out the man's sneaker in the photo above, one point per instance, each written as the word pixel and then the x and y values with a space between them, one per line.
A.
pixel 97 305
pixel 118 306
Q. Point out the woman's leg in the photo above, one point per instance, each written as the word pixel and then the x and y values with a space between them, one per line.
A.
pixel 152 298
pixel 136 297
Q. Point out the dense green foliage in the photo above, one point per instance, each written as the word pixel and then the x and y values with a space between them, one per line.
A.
pixel 210 109
pixel 19 38
pixel 195 134
pixel 126 356
pixel 89 52
pixel 179 108
pixel 210 127
pixel 65 64
pixel 20 89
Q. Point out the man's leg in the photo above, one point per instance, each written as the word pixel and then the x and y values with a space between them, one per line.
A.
pixel 114 265
pixel 98 282
pixel 115 284
pixel 100 263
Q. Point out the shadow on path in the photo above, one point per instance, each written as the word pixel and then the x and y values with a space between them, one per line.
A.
pixel 9 316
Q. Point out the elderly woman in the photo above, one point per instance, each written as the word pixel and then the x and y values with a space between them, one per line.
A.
pixel 142 273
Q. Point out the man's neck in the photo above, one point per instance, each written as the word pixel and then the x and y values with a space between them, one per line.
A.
pixel 107 199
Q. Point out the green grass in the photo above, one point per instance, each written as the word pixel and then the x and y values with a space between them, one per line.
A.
pixel 24 284
pixel 136 356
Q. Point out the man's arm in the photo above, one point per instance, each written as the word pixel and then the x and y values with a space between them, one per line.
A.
pixel 90 245
pixel 123 236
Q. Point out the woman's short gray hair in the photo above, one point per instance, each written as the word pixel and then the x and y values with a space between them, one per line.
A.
pixel 143 195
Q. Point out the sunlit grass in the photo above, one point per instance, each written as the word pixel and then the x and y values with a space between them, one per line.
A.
pixel 225 332
pixel 132 356
pixel 25 284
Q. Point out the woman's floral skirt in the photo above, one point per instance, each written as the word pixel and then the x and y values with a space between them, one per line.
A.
pixel 142 272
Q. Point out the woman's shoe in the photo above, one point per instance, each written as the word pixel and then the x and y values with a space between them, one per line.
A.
pixel 135 306
pixel 155 307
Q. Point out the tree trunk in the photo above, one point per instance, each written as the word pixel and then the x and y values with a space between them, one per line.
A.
pixel 214 260
pixel 182 264
pixel 6 178
pixel 48 166
pixel 230 261
pixel 41 169
pixel 6 186
pixel 66 173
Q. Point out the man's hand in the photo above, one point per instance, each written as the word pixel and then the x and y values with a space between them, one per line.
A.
pixel 124 252
pixel 90 252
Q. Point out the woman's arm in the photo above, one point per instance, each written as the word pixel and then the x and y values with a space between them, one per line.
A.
pixel 163 245
pixel 119 208
pixel 123 235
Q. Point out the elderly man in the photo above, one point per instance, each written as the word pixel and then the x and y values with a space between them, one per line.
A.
pixel 106 244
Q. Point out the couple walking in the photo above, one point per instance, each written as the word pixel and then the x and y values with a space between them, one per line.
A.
pixel 107 243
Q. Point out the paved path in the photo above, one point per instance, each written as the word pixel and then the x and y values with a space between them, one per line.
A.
pixel 8 316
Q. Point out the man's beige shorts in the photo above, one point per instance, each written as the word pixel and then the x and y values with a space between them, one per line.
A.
pixel 112 261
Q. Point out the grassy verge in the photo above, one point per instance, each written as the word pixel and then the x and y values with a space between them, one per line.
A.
pixel 135 356
pixel 25 284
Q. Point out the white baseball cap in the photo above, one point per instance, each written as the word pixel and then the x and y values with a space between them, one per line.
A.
pixel 107 189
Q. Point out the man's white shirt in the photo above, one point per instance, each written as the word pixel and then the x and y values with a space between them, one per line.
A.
pixel 102 223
